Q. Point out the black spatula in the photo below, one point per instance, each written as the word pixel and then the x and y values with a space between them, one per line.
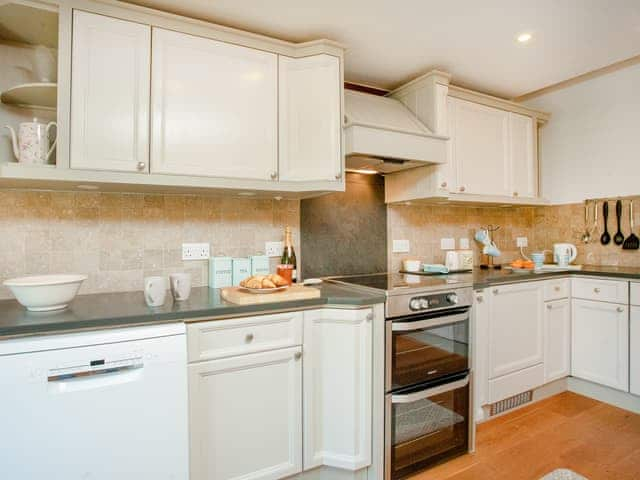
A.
pixel 618 238
pixel 632 242
pixel 605 238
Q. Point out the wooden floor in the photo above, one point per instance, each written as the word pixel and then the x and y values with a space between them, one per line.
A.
pixel 594 439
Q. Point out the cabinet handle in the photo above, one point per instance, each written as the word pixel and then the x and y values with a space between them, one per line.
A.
pixel 496 291
pixel 479 299
pixel 596 290
pixel 369 316
pixel 274 175
pixel 338 175
pixel 462 189
pixel 557 288
pixel 141 165
pixel 549 307
pixel 515 194
pixel 620 309
pixel 297 355
pixel 443 185
pixel 248 338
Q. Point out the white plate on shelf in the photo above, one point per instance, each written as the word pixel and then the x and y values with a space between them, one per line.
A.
pixel 264 290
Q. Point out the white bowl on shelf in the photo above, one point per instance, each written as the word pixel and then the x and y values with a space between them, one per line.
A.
pixel 43 293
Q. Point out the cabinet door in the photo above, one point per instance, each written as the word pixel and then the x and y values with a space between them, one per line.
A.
pixel 110 94
pixel 214 108
pixel 524 171
pixel 480 343
pixel 557 340
pixel 515 328
pixel 634 352
pixel 480 149
pixel 245 416
pixel 600 343
pixel 310 125
pixel 337 388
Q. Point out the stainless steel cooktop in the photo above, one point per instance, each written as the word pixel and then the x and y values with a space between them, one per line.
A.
pixel 405 283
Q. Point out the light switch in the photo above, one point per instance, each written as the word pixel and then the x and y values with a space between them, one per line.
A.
pixel 448 243
pixel 401 246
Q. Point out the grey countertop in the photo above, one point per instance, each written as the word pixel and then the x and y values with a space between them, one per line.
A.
pixel 110 310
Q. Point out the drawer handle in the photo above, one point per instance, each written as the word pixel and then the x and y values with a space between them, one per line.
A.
pixel 557 288
pixel 443 185
pixel 596 290
pixel 479 299
pixel 249 338
pixel 369 316
pixel 297 355
pixel 620 309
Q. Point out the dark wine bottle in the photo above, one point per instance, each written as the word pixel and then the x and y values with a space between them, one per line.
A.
pixel 289 254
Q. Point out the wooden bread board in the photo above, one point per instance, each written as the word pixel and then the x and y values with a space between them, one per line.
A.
pixel 242 297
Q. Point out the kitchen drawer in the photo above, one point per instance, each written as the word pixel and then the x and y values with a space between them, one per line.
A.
pixel 613 291
pixel 556 289
pixel 515 383
pixel 634 293
pixel 227 338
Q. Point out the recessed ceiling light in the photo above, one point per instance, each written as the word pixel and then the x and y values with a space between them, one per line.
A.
pixel 524 37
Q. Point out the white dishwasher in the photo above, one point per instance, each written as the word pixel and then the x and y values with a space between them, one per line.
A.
pixel 101 405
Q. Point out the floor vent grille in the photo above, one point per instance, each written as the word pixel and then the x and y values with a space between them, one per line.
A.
pixel 511 402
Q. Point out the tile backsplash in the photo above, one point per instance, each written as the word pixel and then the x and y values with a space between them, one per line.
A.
pixel 118 239
pixel 425 225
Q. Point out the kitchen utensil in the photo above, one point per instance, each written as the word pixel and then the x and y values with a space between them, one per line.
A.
pixel 632 242
pixel 155 291
pixel 586 236
pixel 31 144
pixel 45 292
pixel 605 238
pixel 618 238
pixel 561 250
pixel 180 284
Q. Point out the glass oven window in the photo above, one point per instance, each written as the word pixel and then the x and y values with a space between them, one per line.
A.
pixel 429 353
pixel 428 430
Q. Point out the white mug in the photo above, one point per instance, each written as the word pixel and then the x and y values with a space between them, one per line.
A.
pixel 180 285
pixel 155 290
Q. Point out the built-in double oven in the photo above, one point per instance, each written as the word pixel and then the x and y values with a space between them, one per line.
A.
pixel 427 406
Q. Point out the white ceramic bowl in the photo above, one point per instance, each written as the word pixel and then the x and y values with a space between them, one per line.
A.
pixel 45 292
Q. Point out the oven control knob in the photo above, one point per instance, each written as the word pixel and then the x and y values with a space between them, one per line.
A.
pixel 452 298
pixel 414 304
pixel 424 303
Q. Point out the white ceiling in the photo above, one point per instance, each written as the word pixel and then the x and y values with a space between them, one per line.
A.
pixel 390 42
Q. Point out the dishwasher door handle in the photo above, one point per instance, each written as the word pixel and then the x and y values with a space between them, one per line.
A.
pixel 94 378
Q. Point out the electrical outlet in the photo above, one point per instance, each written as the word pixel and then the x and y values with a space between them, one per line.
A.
pixel 195 251
pixel 522 242
pixel 401 246
pixel 273 249
pixel 447 243
pixel 464 244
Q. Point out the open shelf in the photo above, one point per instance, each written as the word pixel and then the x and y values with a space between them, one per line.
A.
pixel 41 96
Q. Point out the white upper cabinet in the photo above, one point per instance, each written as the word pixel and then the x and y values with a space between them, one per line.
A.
pixel 600 343
pixel 516 328
pixel 310 118
pixel 480 148
pixel 524 170
pixel 214 108
pixel 337 378
pixel 110 94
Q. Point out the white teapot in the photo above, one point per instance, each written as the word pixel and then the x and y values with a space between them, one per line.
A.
pixel 32 142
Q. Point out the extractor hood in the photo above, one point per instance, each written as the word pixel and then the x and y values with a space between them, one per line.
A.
pixel 382 134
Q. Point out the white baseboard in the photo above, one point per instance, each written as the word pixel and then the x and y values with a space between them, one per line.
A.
pixel 612 396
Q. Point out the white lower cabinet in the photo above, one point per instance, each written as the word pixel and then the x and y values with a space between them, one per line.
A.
pixel 245 416
pixel 634 353
pixel 337 388
pixel 515 328
pixel 600 343
pixel 557 339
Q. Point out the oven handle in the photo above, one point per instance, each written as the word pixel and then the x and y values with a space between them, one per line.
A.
pixel 429 323
pixel 430 392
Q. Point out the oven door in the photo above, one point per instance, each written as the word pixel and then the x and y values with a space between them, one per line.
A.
pixel 424 348
pixel 425 426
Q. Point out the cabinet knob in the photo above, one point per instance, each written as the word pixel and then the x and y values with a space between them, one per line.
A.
pixel 462 189
pixel 141 165
pixel 620 309
pixel 338 175
pixel 557 288
pixel 297 355
pixel 496 291
pixel 274 175
pixel 515 194
pixel 596 290
pixel 479 299
pixel 248 338
pixel 369 316
pixel 443 185
pixel 549 307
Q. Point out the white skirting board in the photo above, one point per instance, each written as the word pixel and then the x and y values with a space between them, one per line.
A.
pixel 614 397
